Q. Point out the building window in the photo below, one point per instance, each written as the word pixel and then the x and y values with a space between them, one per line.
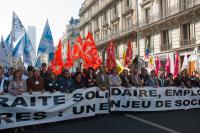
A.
pixel 147 15
pixel 149 44
pixel 105 18
pixel 166 40
pixel 129 22
pixel 186 34
pixel 105 33
pixel 96 37
pixel 127 3
pixel 115 28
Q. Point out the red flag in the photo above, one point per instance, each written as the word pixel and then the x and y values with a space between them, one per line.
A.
pixel 110 62
pixel 77 49
pixel 90 55
pixel 158 65
pixel 69 61
pixel 129 55
pixel 57 61
pixel 176 66
pixel 167 66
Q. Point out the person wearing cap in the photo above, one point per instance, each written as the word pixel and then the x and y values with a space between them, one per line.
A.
pixel 66 83
pixel 44 72
pixel 35 83
pixel 3 81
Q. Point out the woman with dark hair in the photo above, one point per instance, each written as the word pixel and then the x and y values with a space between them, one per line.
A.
pixel 90 79
pixel 52 84
pixel 79 83
pixel 17 85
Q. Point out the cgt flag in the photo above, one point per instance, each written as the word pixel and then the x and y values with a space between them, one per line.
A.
pixel 90 55
pixel 128 55
pixel 69 61
pixel 110 62
pixel 57 61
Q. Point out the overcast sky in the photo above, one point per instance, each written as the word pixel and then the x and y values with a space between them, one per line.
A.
pixel 36 12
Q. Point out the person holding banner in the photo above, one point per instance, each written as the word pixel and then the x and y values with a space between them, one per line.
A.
pixel 52 84
pixel 44 72
pixel 90 79
pixel 144 76
pixel 134 78
pixel 35 83
pixel 114 79
pixel 163 81
pixel 66 83
pixel 3 81
pixel 153 80
pixel 102 79
pixel 170 80
pixel 125 79
pixel 194 79
pixel 179 81
pixel 17 85
pixel 79 82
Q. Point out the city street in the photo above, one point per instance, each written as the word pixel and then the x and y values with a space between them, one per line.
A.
pixel 152 122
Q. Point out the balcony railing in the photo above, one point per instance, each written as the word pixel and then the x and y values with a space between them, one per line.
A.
pixel 172 10
pixel 116 34
pixel 187 42
pixel 166 46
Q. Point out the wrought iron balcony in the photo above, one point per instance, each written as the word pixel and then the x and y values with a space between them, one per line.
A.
pixel 172 10
pixel 116 34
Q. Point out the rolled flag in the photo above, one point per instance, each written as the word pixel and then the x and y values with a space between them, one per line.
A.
pixel 176 66
pixel 167 66
pixel 158 65
pixel 185 63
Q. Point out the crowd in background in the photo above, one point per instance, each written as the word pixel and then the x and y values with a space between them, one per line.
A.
pixel 17 81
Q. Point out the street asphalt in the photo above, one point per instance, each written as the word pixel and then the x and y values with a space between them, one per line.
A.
pixel 183 121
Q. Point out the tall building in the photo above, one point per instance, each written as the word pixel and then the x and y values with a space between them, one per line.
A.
pixel 166 26
pixel 109 20
pixel 71 34
pixel 32 35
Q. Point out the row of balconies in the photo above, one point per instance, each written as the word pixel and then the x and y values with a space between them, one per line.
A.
pixel 115 34
pixel 172 10
pixel 101 8
pixel 184 43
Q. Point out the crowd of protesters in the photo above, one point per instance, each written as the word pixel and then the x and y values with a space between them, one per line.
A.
pixel 17 81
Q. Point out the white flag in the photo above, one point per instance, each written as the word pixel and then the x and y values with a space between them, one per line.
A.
pixel 19 48
pixel 185 63
pixel 17 29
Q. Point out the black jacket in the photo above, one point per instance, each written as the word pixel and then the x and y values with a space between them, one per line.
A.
pixel 51 85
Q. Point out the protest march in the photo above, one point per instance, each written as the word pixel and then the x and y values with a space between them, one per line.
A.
pixel 36 92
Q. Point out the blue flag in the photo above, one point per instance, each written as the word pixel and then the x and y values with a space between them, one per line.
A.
pixel 17 28
pixel 46 45
pixel 29 56
pixel 18 50
pixel 38 63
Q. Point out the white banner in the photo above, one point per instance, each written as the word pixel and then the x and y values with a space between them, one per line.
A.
pixel 154 99
pixel 51 107
pixel 37 108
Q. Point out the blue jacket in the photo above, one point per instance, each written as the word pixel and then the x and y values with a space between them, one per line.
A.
pixel 66 85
